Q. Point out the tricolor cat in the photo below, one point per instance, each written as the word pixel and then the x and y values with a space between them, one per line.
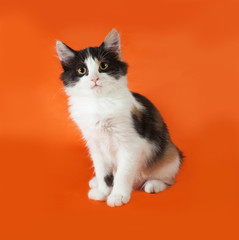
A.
pixel 127 138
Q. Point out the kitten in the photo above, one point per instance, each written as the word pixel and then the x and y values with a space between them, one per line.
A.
pixel 127 138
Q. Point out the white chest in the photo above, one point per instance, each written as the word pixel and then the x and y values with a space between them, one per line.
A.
pixel 100 117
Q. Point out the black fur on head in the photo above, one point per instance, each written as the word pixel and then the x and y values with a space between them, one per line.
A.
pixel 108 52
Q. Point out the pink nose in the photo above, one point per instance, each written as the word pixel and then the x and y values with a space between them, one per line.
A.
pixel 95 79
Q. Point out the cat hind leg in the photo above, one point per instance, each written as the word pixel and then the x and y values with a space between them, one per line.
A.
pixel 154 186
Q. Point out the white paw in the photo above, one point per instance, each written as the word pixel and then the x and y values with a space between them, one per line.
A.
pixel 93 183
pixel 117 199
pixel 97 195
pixel 154 186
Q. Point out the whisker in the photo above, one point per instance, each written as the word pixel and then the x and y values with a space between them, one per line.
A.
pixel 54 96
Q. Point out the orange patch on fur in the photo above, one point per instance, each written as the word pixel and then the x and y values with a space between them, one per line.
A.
pixel 137 113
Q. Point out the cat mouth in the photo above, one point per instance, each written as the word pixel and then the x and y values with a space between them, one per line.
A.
pixel 95 86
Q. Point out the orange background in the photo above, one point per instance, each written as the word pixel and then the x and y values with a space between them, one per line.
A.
pixel 183 55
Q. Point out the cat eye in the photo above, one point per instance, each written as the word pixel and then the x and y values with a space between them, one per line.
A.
pixel 103 66
pixel 82 70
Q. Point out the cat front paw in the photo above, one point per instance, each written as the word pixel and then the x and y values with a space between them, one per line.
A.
pixel 96 194
pixel 93 183
pixel 117 199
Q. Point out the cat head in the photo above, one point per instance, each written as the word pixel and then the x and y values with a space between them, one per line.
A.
pixel 94 69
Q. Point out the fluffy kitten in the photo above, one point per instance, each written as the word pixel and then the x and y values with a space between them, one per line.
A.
pixel 127 138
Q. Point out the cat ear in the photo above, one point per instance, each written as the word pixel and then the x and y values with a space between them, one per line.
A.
pixel 112 42
pixel 65 53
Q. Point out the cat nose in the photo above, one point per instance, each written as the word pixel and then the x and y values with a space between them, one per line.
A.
pixel 94 79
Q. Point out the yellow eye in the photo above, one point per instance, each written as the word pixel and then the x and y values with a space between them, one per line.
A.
pixel 82 70
pixel 103 66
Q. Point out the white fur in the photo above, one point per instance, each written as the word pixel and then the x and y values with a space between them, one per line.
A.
pixel 96 194
pixel 154 186
pixel 93 183
pixel 115 200
pixel 103 114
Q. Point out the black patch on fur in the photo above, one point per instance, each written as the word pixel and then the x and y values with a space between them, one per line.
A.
pixel 109 180
pixel 70 76
pixel 151 126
